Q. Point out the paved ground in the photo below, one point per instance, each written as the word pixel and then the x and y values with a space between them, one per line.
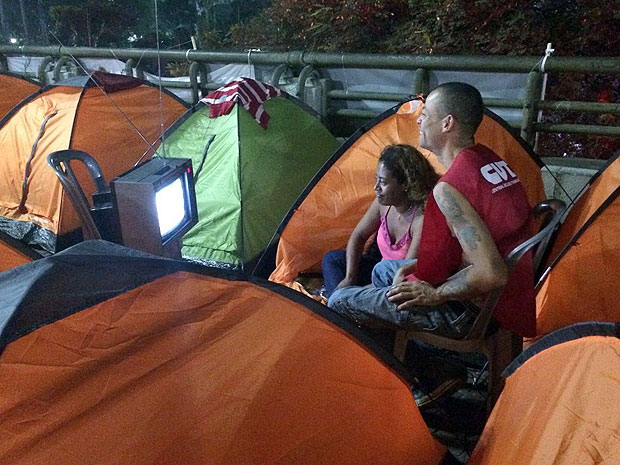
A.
pixel 458 420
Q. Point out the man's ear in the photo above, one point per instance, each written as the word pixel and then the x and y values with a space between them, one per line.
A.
pixel 447 123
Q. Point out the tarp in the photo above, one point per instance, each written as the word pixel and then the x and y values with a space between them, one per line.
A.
pixel 118 357
pixel 326 213
pixel 582 282
pixel 116 119
pixel 560 404
pixel 247 177
pixel 13 89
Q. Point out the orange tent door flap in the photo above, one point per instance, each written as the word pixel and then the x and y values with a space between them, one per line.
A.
pixel 47 122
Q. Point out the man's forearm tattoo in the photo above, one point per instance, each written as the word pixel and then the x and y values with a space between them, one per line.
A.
pixel 454 214
pixel 457 286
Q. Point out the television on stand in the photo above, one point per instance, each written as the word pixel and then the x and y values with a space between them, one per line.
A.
pixel 155 204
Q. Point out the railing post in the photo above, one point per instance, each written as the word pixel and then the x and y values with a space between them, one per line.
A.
pixel 195 69
pixel 530 106
pixel 129 66
pixel 202 72
pixel 193 82
pixel 277 74
pixel 301 83
pixel 326 86
pixel 62 61
pixel 41 72
pixel 421 82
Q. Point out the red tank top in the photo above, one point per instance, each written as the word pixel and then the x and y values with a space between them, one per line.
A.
pixel 497 195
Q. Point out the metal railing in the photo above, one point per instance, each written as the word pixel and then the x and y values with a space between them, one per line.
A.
pixel 307 64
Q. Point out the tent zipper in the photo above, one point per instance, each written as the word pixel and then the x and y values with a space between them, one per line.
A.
pixel 22 203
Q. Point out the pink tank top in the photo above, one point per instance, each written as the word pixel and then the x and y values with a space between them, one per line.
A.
pixel 397 251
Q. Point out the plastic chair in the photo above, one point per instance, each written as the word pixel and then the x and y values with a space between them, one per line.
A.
pixel 60 161
pixel 502 346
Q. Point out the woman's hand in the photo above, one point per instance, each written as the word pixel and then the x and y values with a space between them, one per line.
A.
pixel 403 272
pixel 399 277
pixel 346 282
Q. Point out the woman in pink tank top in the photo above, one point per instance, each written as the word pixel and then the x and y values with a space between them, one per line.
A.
pixel 404 180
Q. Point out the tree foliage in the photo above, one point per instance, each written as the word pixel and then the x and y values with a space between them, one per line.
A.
pixel 461 27
pixel 93 22
pixel 510 27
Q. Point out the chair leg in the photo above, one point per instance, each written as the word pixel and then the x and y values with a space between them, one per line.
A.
pixel 504 346
pixel 400 344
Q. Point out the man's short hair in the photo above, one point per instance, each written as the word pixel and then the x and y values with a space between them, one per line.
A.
pixel 463 102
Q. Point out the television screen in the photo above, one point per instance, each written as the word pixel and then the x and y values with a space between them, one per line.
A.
pixel 156 205
pixel 171 210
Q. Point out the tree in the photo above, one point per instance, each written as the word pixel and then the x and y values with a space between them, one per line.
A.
pixel 22 9
pixel 93 23
pixel 4 26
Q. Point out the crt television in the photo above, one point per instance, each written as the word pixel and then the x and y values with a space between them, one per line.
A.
pixel 156 205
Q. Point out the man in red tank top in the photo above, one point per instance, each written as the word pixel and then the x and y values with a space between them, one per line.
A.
pixel 478 212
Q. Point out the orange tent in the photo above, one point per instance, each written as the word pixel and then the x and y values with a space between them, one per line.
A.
pixel 584 266
pixel 560 402
pixel 115 118
pixel 13 89
pixel 326 213
pixel 112 356
pixel 14 253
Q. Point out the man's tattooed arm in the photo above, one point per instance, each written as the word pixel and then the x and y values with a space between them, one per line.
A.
pixel 453 212
pixel 486 269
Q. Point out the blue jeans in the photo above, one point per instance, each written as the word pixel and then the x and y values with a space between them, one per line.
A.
pixel 334 268
pixel 369 306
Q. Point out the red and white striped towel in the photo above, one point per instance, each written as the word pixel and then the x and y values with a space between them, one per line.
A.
pixel 249 92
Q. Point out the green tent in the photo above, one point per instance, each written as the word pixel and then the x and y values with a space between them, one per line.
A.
pixel 247 173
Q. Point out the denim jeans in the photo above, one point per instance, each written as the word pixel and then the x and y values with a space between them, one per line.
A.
pixel 383 273
pixel 334 267
pixel 369 306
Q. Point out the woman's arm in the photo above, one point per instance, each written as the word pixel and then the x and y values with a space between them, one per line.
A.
pixel 367 226
pixel 416 233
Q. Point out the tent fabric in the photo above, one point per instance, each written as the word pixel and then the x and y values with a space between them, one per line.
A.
pixel 62 284
pixel 247 177
pixel 568 333
pixel 14 253
pixel 582 282
pixel 11 257
pixel 326 213
pixel 197 366
pixel 559 407
pixel 593 195
pixel 13 89
pixel 112 127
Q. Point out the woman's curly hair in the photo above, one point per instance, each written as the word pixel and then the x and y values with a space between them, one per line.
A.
pixel 411 169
